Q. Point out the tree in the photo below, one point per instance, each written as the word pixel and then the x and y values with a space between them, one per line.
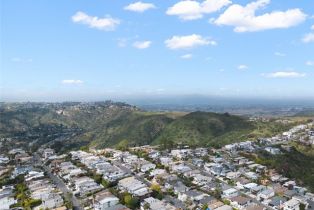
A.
pixel 123 145
pixel 155 187
pixel 84 148
pixel 302 206
pixel 130 201
pixel 166 143
pixel 104 183
pixel 146 206
pixel 157 191
pixel 205 207
pixel 34 202
pixel 97 178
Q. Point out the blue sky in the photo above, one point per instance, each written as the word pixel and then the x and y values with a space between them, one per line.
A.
pixel 101 49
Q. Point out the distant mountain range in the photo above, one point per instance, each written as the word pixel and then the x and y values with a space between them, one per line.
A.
pixel 108 124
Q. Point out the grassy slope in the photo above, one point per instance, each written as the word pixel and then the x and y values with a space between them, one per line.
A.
pixel 203 128
pixel 138 128
pixel 108 126
pixel 297 164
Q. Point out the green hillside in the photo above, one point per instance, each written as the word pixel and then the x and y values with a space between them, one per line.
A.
pixel 137 128
pixel 203 128
pixel 297 164
pixel 107 124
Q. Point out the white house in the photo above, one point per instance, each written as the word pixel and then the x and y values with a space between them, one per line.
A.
pixel 105 200
pixel 292 204
pixel 157 172
pixel 155 204
pixel 52 201
pixel 6 202
pixel 6 198
pixel 133 186
pixel 232 175
pixel 265 194
pixel 272 150
pixel 147 167
pixel 229 193
pixel 48 152
pixel 165 161
pixel 193 195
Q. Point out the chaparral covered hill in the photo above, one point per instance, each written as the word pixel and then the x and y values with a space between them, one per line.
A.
pixel 108 124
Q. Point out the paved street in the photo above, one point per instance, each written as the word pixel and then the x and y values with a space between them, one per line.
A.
pixel 60 184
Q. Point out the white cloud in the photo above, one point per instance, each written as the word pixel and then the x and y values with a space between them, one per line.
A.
pixel 242 67
pixel 107 23
pixel 284 74
pixel 139 7
pixel 308 38
pixel 187 56
pixel 244 19
pixel 21 60
pixel 142 44
pixel 189 41
pixel 191 10
pixel 310 63
pixel 280 54
pixel 312 27
pixel 72 81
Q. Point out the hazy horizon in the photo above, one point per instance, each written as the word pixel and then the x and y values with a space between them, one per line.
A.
pixel 189 100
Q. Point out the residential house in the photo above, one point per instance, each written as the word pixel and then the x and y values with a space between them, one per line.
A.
pixel 201 180
pixel 34 175
pixel 215 204
pixel 251 175
pixel 292 204
pixel 85 185
pixel 200 152
pixel 155 204
pixel 273 151
pixel 232 175
pixel 240 202
pixel 231 192
pixel 250 186
pixel 104 200
pixel 277 202
pixel 48 153
pixel 181 168
pixel 180 153
pixel 51 201
pixel 147 167
pixel 178 187
pixel 166 161
pixel 154 154
pixel 192 195
pixel 265 194
pixel 198 162
pixel 18 170
pixel 4 160
pixel 134 187
pixel 157 172
pixel 6 197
